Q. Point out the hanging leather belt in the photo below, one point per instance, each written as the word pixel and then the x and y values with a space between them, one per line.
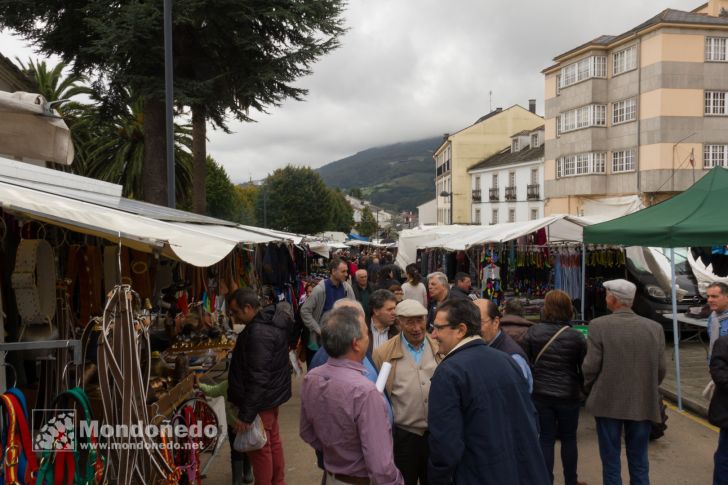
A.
pixel 34 281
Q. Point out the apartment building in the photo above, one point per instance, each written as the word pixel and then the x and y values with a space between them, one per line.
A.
pixel 641 113
pixel 507 187
pixel 461 150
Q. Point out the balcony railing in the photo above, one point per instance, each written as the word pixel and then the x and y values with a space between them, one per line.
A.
pixel 476 195
pixel 493 194
pixel 534 192
pixel 511 193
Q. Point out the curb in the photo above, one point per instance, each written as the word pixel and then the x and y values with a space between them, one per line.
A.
pixel 689 404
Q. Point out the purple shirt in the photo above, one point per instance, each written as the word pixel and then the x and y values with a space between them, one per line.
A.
pixel 343 415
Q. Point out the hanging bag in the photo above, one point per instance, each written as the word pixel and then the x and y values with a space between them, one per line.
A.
pixel 252 439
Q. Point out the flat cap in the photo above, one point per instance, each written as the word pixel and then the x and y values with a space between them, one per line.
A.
pixel 410 308
pixel 622 289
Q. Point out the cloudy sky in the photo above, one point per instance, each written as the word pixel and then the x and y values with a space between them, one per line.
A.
pixel 409 69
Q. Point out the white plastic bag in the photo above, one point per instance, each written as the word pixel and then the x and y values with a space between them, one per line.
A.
pixel 253 439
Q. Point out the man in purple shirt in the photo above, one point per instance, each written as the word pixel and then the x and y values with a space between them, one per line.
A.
pixel 342 413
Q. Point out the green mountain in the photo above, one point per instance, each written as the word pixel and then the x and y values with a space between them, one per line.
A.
pixel 395 177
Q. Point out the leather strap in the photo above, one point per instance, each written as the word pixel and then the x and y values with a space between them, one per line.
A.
pixel 548 344
pixel 34 281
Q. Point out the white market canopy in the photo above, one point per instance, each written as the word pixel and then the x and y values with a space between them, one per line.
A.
pixel 561 228
pixel 411 239
pixel 96 208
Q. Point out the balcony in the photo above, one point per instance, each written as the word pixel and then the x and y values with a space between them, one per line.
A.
pixel 493 194
pixel 534 192
pixel 476 195
pixel 511 193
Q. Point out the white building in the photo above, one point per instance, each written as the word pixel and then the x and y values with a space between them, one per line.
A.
pixel 427 213
pixel 384 218
pixel 508 186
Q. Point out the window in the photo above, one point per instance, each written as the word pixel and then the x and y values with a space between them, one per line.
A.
pixel 534 214
pixel 594 66
pixel 494 217
pixel 623 111
pixel 511 215
pixel 580 164
pixel 477 216
pixel 534 176
pixel 715 103
pixel 558 84
pixel 623 161
pixel 511 179
pixel 624 60
pixel 534 140
pixel 477 182
pixel 715 49
pixel 584 117
pixel 515 145
pixel 715 156
pixel 495 180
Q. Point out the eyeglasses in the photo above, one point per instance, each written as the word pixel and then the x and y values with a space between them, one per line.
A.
pixel 441 327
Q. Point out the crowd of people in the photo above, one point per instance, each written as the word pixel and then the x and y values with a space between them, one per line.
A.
pixel 471 393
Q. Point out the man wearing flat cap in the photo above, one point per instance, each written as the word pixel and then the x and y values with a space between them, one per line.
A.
pixel 623 368
pixel 413 356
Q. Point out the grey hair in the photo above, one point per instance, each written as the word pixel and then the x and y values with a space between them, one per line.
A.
pixel 347 303
pixel 442 277
pixel 341 326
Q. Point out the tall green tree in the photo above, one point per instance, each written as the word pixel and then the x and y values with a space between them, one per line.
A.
pixel 116 150
pixel 294 199
pixel 368 225
pixel 223 200
pixel 341 214
pixel 233 56
pixel 230 56
pixel 248 195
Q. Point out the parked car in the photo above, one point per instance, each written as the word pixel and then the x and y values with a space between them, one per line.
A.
pixel 649 269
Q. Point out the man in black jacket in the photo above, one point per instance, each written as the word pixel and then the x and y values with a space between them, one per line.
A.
pixel 259 380
pixel 718 411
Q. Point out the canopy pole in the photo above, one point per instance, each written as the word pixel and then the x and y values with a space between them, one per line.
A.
pixel 583 279
pixel 675 336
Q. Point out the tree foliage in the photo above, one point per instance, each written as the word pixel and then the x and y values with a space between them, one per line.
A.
pixel 368 225
pixel 230 56
pixel 341 214
pixel 248 195
pixel 295 199
pixel 223 200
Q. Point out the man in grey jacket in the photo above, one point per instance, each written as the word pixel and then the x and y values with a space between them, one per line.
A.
pixel 623 368
pixel 321 300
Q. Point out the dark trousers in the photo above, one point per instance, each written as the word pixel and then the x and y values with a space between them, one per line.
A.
pixel 720 472
pixel 559 420
pixel 411 452
pixel 636 439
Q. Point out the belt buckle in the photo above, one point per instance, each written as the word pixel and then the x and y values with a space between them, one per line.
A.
pixel 11 455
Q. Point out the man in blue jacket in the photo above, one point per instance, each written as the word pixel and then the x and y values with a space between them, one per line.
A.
pixel 483 425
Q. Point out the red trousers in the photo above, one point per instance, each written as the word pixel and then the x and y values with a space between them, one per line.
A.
pixel 267 462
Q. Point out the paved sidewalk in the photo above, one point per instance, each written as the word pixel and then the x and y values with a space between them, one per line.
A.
pixel 694 376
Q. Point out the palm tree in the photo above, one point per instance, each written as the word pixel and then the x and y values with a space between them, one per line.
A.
pixel 54 86
pixel 116 152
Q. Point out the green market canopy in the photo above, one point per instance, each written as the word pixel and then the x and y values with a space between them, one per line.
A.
pixel 692 218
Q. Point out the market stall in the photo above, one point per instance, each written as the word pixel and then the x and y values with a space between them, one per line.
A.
pixel 691 218
pixel 109 306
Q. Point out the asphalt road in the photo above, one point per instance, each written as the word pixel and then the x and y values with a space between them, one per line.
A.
pixel 683 456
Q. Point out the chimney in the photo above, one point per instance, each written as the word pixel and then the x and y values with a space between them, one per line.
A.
pixel 532 106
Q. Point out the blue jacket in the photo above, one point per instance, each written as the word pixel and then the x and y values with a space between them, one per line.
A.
pixel 483 425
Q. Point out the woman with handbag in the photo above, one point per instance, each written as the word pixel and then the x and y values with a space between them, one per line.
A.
pixel 556 352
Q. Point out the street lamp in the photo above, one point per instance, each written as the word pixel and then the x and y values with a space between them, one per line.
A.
pixel 445 193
